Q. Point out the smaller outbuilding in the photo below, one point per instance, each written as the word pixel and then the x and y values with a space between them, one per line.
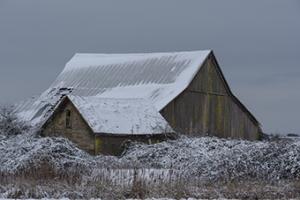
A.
pixel 103 125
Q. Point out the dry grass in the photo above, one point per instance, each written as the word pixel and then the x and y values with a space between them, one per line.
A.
pixel 46 183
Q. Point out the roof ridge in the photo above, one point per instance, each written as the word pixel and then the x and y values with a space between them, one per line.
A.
pixel 141 54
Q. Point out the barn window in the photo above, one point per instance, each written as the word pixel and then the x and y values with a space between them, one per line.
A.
pixel 68 119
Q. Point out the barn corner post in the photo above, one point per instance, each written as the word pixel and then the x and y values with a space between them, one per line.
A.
pixel 98 145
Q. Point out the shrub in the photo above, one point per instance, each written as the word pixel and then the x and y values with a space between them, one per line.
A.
pixel 9 122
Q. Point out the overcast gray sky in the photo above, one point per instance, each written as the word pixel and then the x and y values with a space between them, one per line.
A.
pixel 257 44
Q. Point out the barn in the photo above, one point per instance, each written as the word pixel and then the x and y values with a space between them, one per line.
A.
pixel 104 125
pixel 185 91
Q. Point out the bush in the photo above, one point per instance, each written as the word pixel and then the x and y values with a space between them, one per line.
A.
pixel 9 122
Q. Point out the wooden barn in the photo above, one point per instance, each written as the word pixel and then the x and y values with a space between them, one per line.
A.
pixel 185 91
pixel 104 125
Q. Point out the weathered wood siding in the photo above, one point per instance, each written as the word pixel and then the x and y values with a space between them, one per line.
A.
pixel 207 108
pixel 80 133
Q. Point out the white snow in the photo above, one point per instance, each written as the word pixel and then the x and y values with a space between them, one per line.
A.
pixel 81 60
pixel 180 69
pixel 121 116
pixel 36 110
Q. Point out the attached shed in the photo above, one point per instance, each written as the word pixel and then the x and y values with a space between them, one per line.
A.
pixel 101 125
pixel 187 88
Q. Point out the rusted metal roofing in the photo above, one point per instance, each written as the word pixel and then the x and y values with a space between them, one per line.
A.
pixel 157 77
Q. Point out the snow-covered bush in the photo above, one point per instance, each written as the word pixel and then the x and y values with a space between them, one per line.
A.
pixel 205 158
pixel 187 167
pixel 33 156
pixel 214 159
pixel 9 122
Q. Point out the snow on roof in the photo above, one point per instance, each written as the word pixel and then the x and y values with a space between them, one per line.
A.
pixel 121 116
pixel 158 77
pixel 37 109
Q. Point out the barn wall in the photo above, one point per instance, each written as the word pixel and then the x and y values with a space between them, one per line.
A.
pixel 206 108
pixel 80 133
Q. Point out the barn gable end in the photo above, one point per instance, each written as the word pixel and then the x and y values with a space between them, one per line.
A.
pixel 79 132
pixel 208 107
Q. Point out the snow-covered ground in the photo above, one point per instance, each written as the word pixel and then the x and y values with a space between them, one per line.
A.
pixel 36 167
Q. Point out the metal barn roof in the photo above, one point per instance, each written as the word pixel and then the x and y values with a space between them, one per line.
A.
pixel 157 77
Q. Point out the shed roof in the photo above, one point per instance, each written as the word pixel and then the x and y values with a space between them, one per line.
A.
pixel 120 116
pixel 158 77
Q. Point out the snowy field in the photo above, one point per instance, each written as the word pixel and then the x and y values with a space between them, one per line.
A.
pixel 36 167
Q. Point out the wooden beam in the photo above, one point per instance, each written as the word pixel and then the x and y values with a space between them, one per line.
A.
pixel 207 93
